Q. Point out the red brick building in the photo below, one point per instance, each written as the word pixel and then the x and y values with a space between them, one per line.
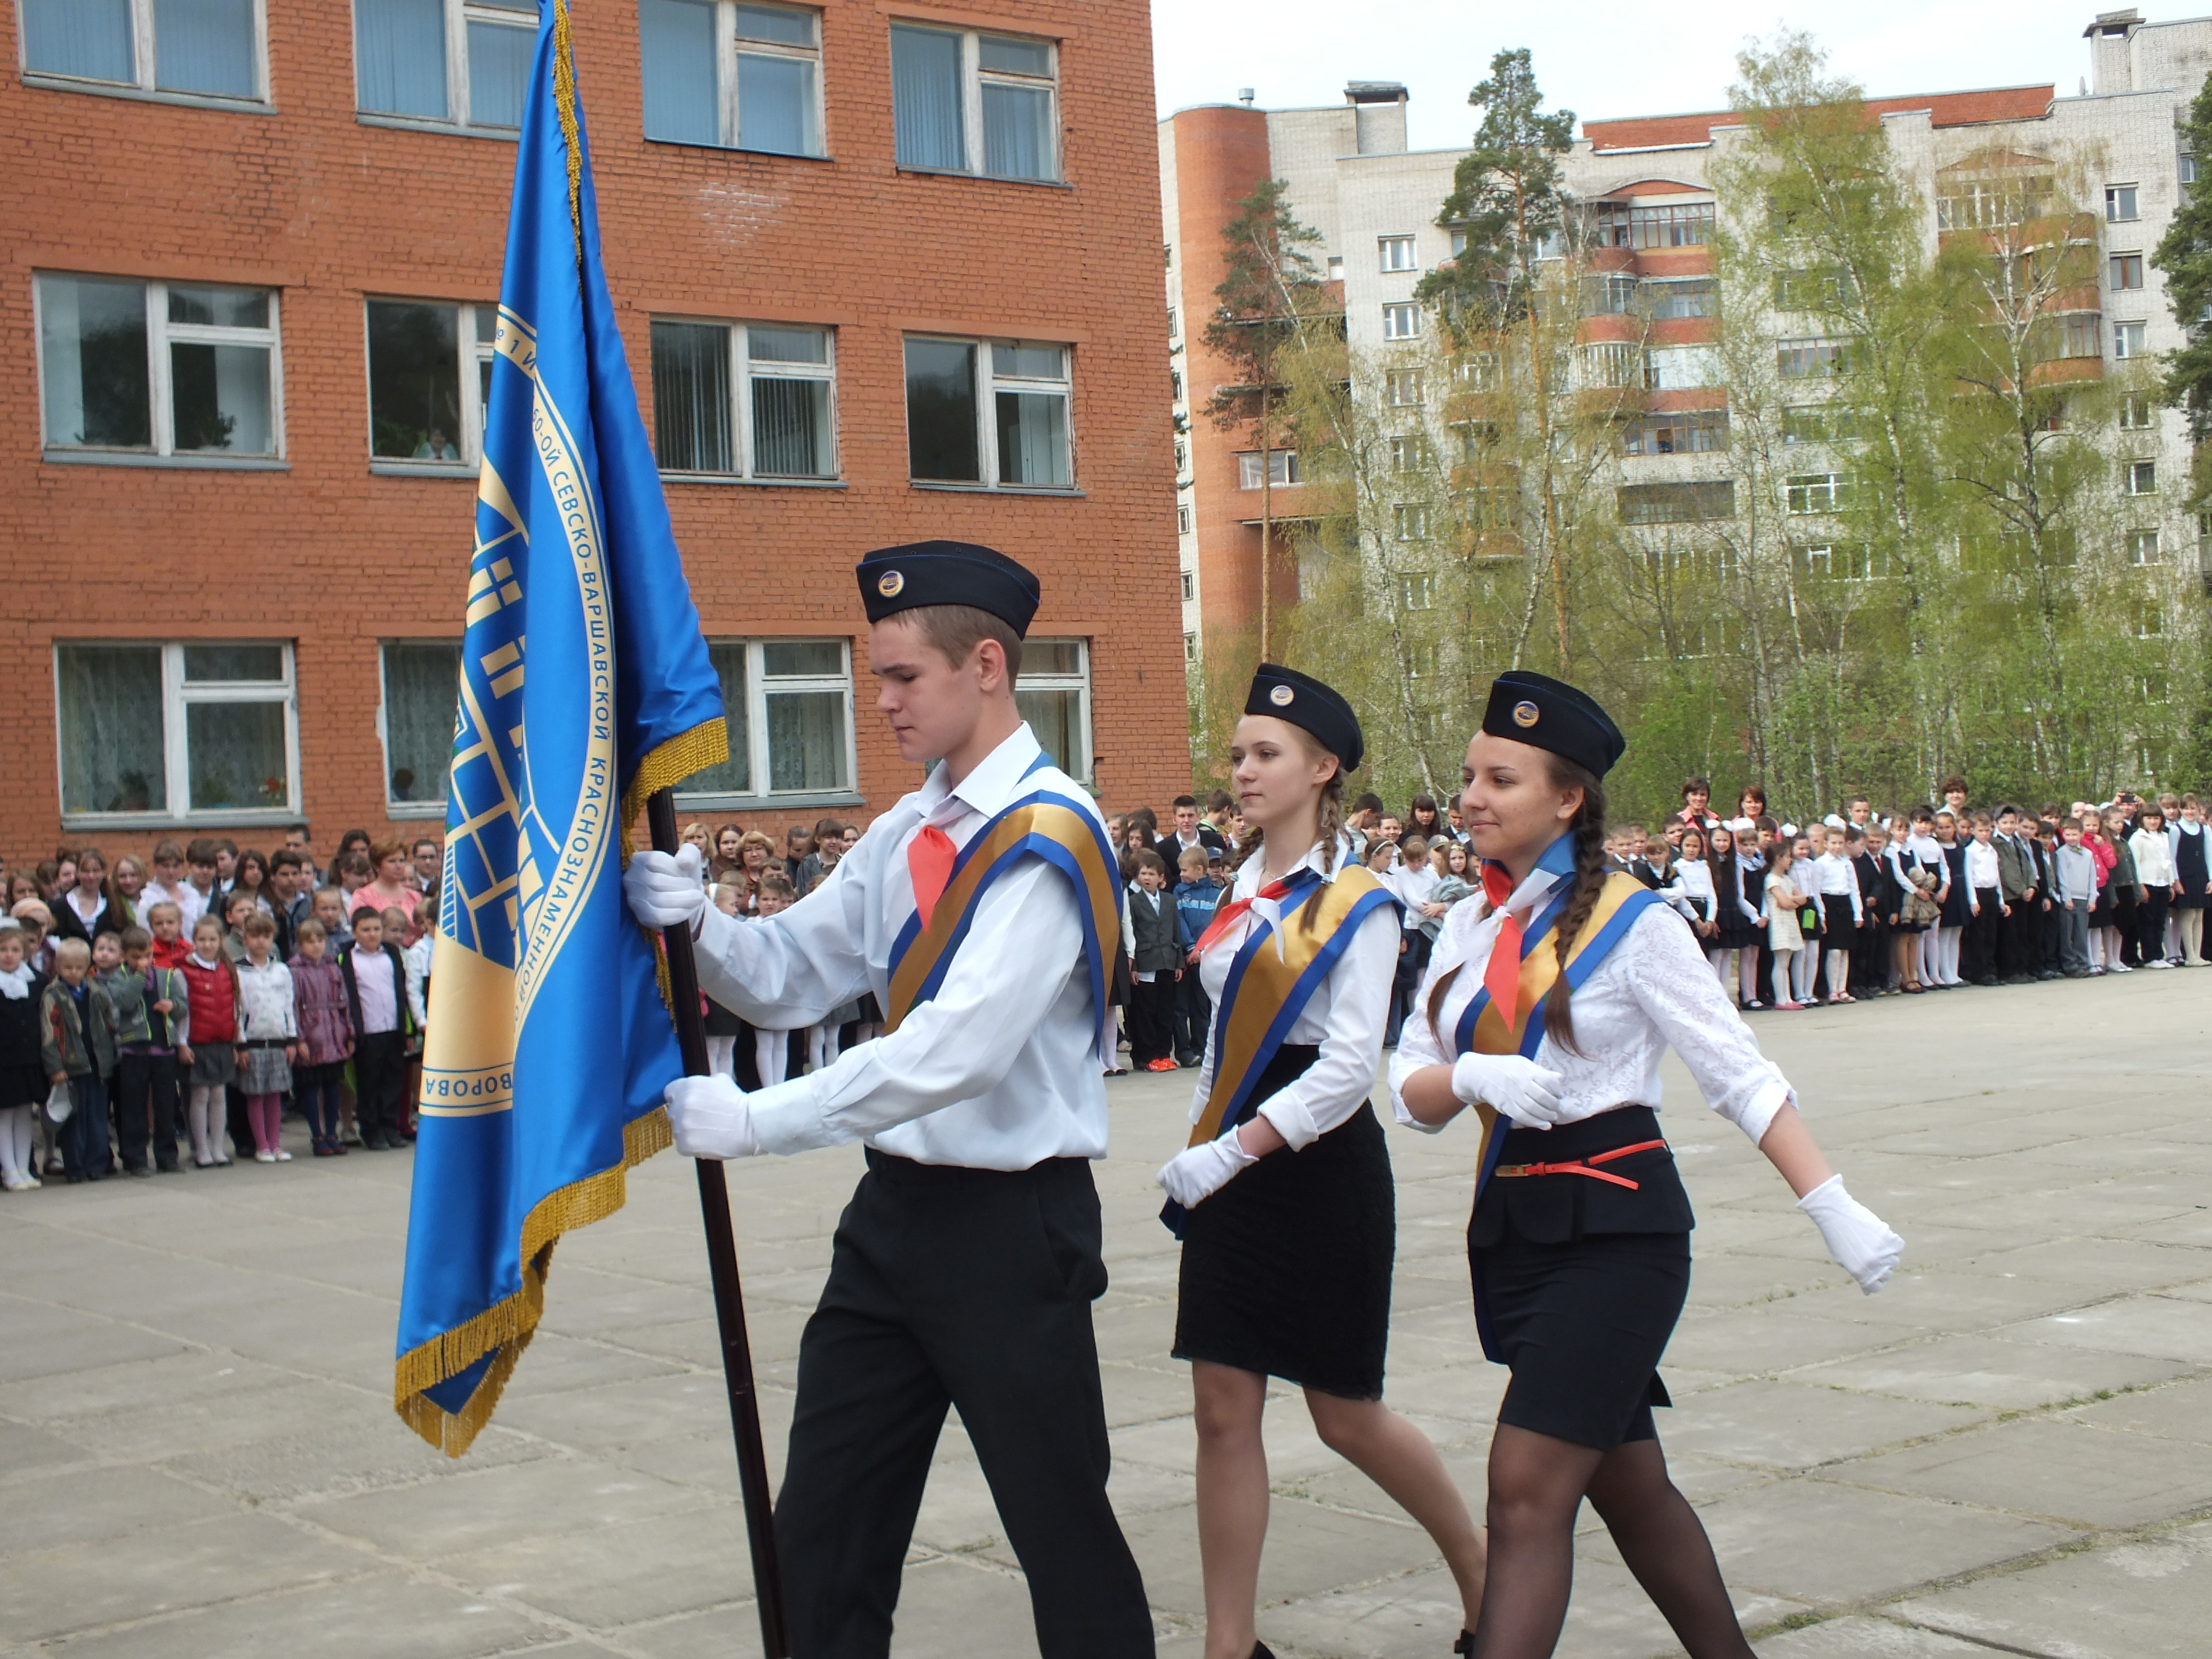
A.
pixel 883 273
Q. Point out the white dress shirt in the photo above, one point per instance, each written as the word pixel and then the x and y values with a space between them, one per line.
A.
pixel 380 997
pixel 1654 988
pixel 2154 858
pixel 1835 876
pixel 1983 874
pixel 1345 1018
pixel 999 1070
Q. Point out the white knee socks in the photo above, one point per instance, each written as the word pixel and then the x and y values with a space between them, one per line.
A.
pixel 19 1154
pixel 772 1053
pixel 1839 973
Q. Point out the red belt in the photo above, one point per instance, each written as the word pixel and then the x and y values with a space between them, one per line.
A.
pixel 1582 1166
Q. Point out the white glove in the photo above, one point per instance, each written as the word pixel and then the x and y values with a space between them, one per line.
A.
pixel 712 1118
pixel 1860 1241
pixel 665 891
pixel 1519 1088
pixel 1199 1172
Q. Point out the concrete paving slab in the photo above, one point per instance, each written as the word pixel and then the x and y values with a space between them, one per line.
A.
pixel 2166 1327
pixel 618 1575
pixel 1795 1424
pixel 479 1508
pixel 2137 1600
pixel 1868 1638
pixel 1992 1371
pixel 82 1506
pixel 2071 1472
pixel 2179 1411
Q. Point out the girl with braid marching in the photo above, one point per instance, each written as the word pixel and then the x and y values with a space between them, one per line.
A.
pixel 1284 1200
pixel 1548 1007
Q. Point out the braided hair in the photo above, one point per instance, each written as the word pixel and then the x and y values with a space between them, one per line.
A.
pixel 1588 828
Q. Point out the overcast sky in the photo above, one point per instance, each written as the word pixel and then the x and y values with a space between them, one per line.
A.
pixel 1597 57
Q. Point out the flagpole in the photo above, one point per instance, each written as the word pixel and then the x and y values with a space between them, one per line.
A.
pixel 722 1264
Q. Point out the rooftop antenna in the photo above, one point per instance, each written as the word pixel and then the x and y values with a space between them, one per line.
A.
pixel 1245 94
pixel 2085 85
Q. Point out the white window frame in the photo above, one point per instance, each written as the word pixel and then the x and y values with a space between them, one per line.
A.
pixel 1417 590
pixel 1477 371
pixel 1396 253
pixel 2139 477
pixel 143 51
pixel 178 696
pixel 2117 195
pixel 2137 412
pixel 1401 321
pixel 458 13
pixel 1409 520
pixel 1283 468
pixel 2185 167
pixel 1190 586
pixel 1401 388
pixel 743 372
pixel 1817 493
pixel 727 45
pixel 473 349
pixel 407 809
pixel 988 383
pixel 2113 272
pixel 2128 341
pixel 161 391
pixel 1409 451
pixel 759 768
pixel 1079 683
pixel 973 77
pixel 2142 547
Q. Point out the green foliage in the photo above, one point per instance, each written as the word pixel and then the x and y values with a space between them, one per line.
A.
pixel 2184 255
pixel 1269 295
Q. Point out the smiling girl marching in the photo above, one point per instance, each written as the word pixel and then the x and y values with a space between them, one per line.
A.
pixel 1284 1200
pixel 1549 1007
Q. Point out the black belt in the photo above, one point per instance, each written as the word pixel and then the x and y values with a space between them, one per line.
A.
pixel 893 1168
pixel 268 1043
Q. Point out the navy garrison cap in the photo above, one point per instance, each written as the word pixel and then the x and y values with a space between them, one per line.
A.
pixel 1549 713
pixel 1305 703
pixel 906 578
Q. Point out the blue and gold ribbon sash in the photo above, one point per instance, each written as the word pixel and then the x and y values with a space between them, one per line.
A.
pixel 1482 1030
pixel 1271 979
pixel 1044 825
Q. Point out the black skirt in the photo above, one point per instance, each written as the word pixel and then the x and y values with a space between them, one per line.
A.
pixel 1837 930
pixel 1286 1270
pixel 1584 1280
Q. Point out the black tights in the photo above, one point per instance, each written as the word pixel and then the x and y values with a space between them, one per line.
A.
pixel 1537 1484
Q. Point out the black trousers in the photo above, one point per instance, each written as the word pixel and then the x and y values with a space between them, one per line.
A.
pixel 2016 939
pixel 2150 922
pixel 1979 948
pixel 146 1108
pixel 380 1072
pixel 969 1288
pixel 1151 1017
pixel 1194 1014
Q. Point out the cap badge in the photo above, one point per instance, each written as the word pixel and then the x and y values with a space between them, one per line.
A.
pixel 1281 696
pixel 1525 713
pixel 890 583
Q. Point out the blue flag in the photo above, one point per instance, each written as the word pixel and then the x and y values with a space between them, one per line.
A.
pixel 585 686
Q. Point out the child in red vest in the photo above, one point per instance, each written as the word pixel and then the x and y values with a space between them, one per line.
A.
pixel 211 990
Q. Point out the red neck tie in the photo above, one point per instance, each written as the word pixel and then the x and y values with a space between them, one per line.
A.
pixel 929 859
pixel 1225 917
pixel 1501 977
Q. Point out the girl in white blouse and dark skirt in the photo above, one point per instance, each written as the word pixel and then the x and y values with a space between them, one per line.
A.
pixel 1580 1238
pixel 1284 1200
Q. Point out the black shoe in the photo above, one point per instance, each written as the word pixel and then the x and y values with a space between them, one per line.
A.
pixel 374 1143
pixel 140 1170
pixel 1260 1651
pixel 1465 1642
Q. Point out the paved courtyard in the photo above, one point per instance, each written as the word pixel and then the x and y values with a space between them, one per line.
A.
pixel 2009 1451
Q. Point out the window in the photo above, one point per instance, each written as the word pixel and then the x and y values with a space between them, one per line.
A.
pixel 1409 453
pixel 1421 656
pixel 1818 423
pixel 740 76
pixel 1334 268
pixel 990 412
pixel 1396 253
pixel 2137 412
pixel 1681 225
pixel 1818 492
pixel 1613 293
pixel 2142 547
pixel 1815 288
pixel 751 400
pixel 1990 202
pixel 2147 623
pixel 2127 340
pixel 1800 360
pixel 789 708
pixel 168 732
pixel 1610 365
pixel 1409 521
pixel 1401 388
pixel 163 368
pixel 1190 647
pixel 1476 372
pixel 465 62
pixel 1675 503
pixel 2187 170
pixel 422 680
pixel 1696 433
pixel 1417 591
pixel 1851 561
pixel 2126 271
pixel 1189 587
pixel 425 406
pixel 2084 335
pixel 1401 322
pixel 1681 368
pixel 2140 477
pixel 1181 456
pixel 1697 297
pixel 1053 695
pixel 1283 468
pixel 1174 384
pixel 964 102
pixel 1183 521
pixel 1171 322
pixel 2119 204
pixel 202 48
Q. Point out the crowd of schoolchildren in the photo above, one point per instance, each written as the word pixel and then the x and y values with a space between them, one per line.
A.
pixel 168 1013
pixel 172 1012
